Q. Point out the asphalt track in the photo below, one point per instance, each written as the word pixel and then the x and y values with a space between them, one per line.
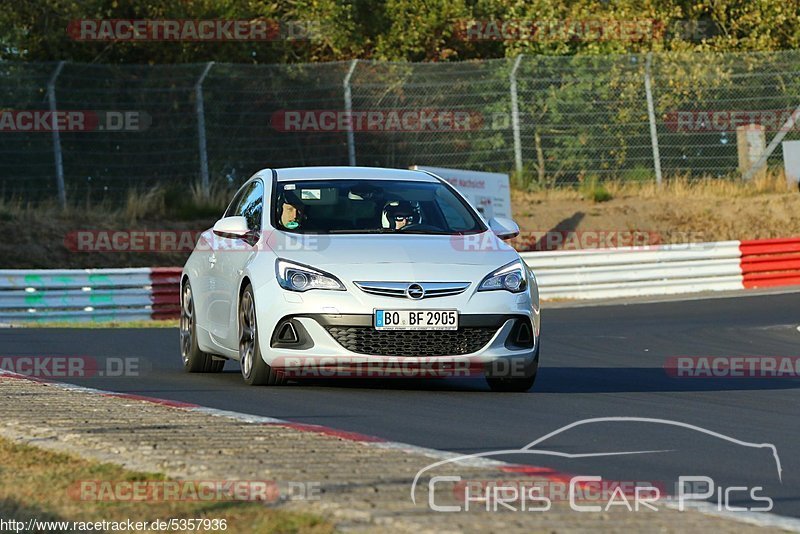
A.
pixel 597 362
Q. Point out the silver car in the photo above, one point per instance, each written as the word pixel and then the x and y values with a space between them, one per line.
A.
pixel 332 269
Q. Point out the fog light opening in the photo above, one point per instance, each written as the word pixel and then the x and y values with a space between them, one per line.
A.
pixel 524 335
pixel 287 333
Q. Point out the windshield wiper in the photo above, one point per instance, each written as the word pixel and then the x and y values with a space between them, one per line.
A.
pixel 365 231
pixel 426 232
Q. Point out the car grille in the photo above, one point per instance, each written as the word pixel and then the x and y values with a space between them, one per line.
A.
pixel 399 289
pixel 367 340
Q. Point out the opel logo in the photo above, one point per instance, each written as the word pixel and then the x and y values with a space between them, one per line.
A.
pixel 415 291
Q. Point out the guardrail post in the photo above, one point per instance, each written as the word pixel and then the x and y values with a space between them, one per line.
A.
pixel 348 107
pixel 201 129
pixel 515 116
pixel 51 97
pixel 651 114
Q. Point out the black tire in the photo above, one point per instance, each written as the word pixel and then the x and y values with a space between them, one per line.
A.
pixel 255 370
pixel 194 359
pixel 516 384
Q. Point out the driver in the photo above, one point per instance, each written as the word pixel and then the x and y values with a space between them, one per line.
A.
pixel 399 214
pixel 291 212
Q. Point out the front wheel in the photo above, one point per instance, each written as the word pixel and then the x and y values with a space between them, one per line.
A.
pixel 518 384
pixel 255 370
pixel 511 385
pixel 194 359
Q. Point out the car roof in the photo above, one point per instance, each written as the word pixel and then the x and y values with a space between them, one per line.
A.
pixel 351 173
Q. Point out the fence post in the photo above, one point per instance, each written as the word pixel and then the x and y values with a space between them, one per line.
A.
pixel 201 129
pixel 788 125
pixel 651 113
pixel 51 97
pixel 515 116
pixel 348 108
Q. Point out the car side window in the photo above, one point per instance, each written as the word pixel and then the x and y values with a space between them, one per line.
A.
pixel 234 205
pixel 251 205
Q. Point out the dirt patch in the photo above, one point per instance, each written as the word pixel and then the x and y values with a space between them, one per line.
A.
pixel 673 219
pixel 46 241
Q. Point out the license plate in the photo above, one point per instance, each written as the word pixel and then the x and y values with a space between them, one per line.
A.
pixel 416 319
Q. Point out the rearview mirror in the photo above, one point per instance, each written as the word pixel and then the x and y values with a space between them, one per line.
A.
pixel 232 227
pixel 504 228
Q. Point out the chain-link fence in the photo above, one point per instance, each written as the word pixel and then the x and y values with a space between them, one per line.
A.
pixel 549 120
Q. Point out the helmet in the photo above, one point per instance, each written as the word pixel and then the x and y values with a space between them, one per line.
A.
pixel 396 211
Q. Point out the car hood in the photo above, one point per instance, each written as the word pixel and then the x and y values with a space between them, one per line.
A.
pixel 372 249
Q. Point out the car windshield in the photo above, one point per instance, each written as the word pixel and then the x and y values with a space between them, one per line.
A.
pixel 371 206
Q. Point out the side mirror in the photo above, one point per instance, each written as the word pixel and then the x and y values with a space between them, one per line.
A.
pixel 231 227
pixel 504 228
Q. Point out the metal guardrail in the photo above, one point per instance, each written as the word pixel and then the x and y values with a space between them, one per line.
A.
pixel 153 293
pixel 88 294
pixel 771 262
pixel 635 271
pixel 666 269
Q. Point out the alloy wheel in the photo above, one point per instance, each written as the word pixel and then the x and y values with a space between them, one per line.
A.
pixel 247 333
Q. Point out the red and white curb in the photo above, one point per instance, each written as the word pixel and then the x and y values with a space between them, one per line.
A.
pixel 760 519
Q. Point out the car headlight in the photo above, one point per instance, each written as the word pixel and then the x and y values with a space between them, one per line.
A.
pixel 299 277
pixel 511 277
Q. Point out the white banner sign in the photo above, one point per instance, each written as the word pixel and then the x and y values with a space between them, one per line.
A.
pixel 489 192
pixel 791 160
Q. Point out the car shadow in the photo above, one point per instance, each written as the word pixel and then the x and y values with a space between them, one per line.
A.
pixel 645 379
pixel 564 228
pixel 568 380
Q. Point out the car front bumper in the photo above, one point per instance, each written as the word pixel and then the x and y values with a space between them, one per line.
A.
pixel 337 327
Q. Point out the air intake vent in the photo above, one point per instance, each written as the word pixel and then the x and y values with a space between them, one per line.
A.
pixel 367 340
